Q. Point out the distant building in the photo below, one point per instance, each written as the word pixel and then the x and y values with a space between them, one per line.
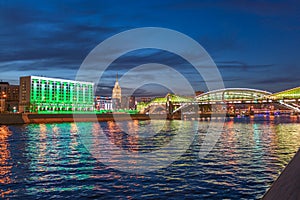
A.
pixel 116 95
pixel 9 94
pixel 128 103
pixel 2 105
pixel 124 102
pixel 3 90
pixel 145 99
pixel 13 93
pixel 132 103
pixel 3 95
pixel 197 93
pixel 12 103
pixel 103 103
pixel 53 94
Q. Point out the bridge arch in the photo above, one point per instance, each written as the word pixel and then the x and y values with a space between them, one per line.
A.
pixel 232 94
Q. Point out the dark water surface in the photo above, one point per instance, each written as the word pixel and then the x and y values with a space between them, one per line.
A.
pixel 44 161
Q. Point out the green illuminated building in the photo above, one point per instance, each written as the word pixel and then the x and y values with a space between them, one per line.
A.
pixel 52 94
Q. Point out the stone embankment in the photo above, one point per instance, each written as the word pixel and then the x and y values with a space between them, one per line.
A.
pixel 26 118
pixel 287 186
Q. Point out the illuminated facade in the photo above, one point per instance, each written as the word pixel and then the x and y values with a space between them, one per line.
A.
pixel 117 95
pixel 53 94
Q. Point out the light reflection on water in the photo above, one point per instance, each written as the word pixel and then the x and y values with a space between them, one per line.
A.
pixel 50 161
pixel 5 166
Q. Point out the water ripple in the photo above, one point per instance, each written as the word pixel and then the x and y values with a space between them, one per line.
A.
pixel 48 161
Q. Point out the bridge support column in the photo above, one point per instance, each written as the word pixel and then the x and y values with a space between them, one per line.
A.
pixel 169 108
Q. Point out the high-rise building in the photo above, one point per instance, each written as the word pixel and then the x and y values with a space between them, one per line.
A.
pixel 116 95
pixel 53 94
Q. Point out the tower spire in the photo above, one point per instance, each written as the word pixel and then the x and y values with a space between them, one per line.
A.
pixel 117 77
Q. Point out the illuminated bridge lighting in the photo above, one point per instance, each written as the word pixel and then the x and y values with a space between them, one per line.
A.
pixel 293 93
pixel 227 96
pixel 234 95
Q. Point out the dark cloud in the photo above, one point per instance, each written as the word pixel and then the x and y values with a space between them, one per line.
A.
pixel 238 65
pixel 254 6
pixel 279 79
pixel 254 42
pixel 149 90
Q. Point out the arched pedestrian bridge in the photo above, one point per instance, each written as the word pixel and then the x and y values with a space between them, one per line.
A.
pixel 255 98
pixel 233 94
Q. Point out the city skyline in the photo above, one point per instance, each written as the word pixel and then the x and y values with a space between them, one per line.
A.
pixel 173 99
pixel 254 44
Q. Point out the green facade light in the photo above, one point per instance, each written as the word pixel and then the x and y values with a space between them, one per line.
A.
pixel 60 95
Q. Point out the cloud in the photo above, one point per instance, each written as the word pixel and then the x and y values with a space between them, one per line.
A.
pixel 278 79
pixel 238 65
pixel 53 38
pixel 254 6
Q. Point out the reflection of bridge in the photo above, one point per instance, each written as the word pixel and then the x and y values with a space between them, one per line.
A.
pixel 229 100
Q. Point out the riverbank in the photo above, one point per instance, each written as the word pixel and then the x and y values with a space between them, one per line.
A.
pixel 27 118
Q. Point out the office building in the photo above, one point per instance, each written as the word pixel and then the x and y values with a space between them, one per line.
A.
pixel 53 94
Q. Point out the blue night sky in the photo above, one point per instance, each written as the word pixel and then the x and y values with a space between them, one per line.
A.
pixel 254 43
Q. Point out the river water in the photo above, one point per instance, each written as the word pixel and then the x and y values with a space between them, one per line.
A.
pixel 44 161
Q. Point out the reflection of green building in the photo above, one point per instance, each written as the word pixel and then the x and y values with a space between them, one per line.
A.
pixel 52 94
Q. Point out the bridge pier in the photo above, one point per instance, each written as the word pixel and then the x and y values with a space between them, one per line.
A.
pixel 169 107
